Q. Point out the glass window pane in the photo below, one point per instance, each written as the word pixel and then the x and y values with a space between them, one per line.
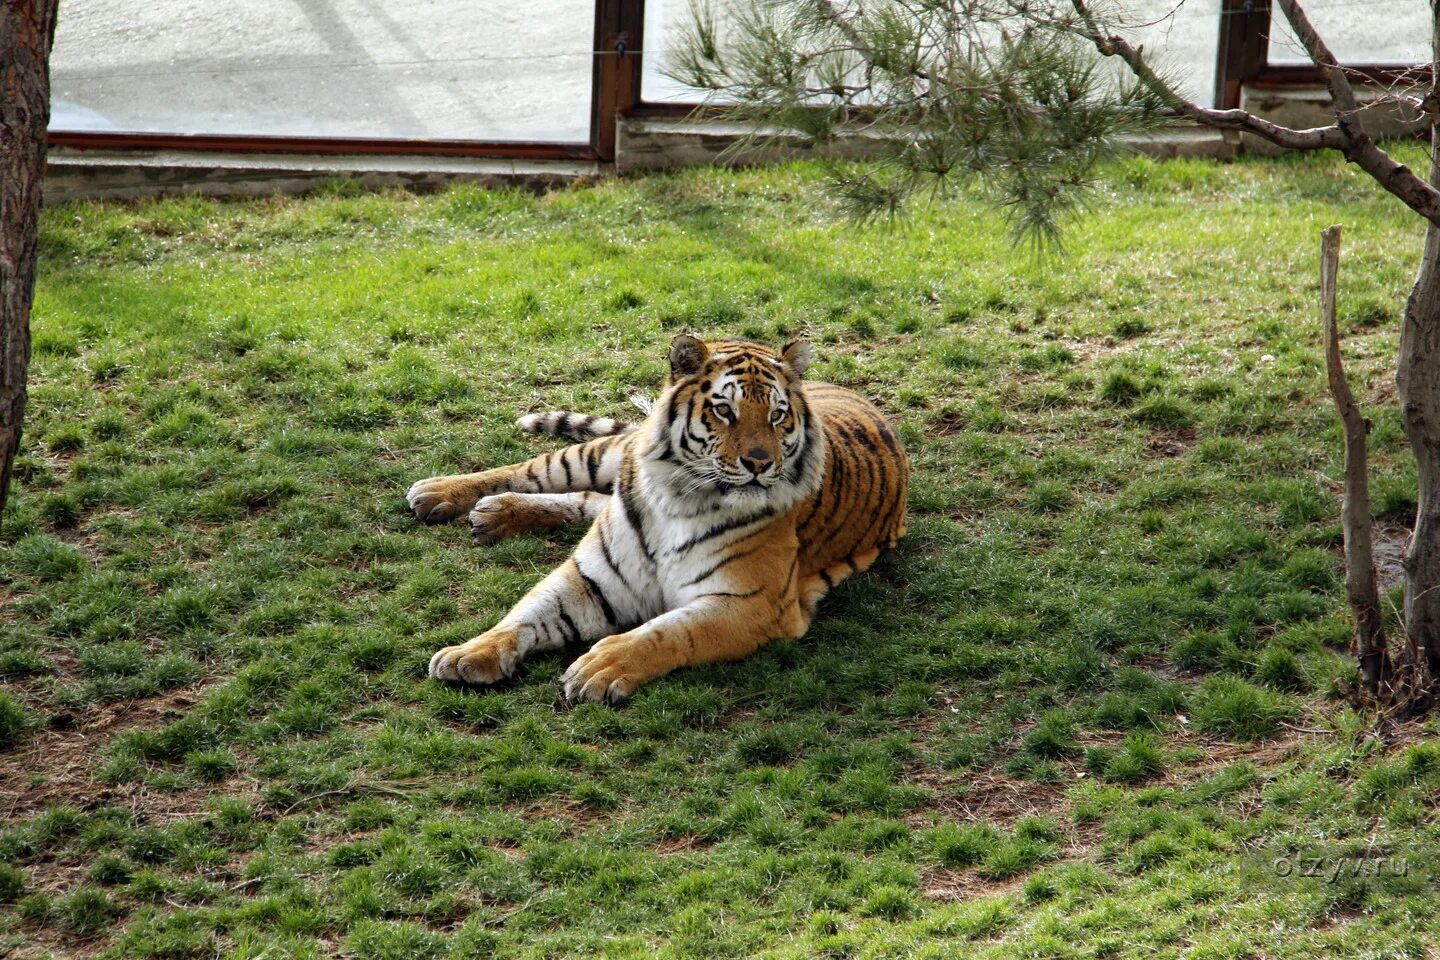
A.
pixel 665 22
pixel 1184 44
pixel 1181 42
pixel 1356 33
pixel 436 69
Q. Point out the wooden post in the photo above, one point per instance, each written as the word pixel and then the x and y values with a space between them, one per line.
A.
pixel 1243 50
pixel 1355 518
pixel 619 35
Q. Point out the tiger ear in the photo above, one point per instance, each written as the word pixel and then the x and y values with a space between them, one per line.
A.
pixel 687 355
pixel 797 355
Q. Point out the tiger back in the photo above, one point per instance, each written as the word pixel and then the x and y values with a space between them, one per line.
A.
pixel 860 505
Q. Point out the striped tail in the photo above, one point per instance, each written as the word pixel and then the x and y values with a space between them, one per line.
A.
pixel 575 426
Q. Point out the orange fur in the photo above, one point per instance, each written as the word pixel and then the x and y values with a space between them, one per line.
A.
pixel 807 483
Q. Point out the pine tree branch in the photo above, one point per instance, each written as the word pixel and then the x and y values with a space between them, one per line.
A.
pixel 827 10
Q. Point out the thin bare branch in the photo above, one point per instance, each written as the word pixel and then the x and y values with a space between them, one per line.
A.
pixel 1114 45
pixel 1347 106
pixel 1347 134
pixel 1357 145
pixel 1355 516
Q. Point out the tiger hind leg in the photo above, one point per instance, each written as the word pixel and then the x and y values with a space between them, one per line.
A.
pixel 814 587
pixel 503 515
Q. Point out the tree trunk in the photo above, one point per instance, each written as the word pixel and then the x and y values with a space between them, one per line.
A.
pixel 27 31
pixel 1418 379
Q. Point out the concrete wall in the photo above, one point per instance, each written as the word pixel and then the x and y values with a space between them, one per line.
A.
pixel 662 144
pixel 106 174
pixel 641 145
pixel 658 145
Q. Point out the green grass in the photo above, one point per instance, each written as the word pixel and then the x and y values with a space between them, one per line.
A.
pixel 1083 711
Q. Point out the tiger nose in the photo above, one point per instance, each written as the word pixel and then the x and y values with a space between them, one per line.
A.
pixel 757 460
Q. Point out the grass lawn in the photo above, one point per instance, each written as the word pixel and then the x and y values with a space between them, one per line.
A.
pixel 1085 710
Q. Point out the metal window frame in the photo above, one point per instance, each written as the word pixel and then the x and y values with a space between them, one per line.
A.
pixel 614 90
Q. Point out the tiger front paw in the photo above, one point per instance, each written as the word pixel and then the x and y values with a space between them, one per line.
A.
pixel 610 672
pixel 438 499
pixel 487 659
pixel 500 517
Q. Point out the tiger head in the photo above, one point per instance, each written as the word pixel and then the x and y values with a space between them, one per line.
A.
pixel 734 424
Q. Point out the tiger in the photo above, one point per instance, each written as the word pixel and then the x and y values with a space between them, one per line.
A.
pixel 716 525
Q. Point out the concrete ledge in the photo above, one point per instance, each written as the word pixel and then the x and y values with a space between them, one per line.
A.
pixel 1188 142
pixel 73 174
pixel 643 144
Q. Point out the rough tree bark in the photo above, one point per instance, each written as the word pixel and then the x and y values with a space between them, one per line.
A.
pixel 1418 378
pixel 27 31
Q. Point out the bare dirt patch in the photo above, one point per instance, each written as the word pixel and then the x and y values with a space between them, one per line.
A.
pixel 953 886
pixel 685 844
pixel 1384 392
pixel 59 765
pixel 1390 545
pixel 87 541
pixel 986 797
pixel 1001 800
pixel 46 943
pixel 1171 443
pixel 948 423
